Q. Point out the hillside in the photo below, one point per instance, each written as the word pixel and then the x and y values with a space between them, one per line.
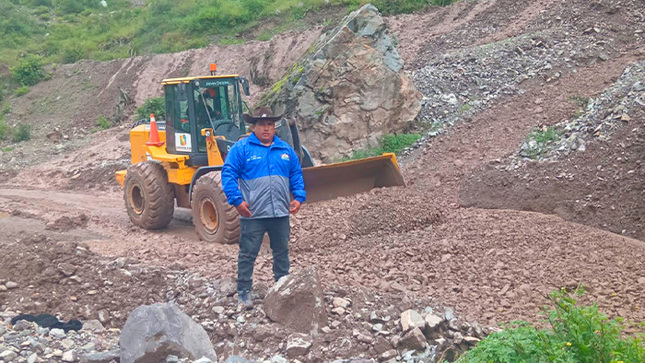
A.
pixel 529 177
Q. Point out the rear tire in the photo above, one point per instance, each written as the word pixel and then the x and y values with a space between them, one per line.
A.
pixel 149 198
pixel 215 220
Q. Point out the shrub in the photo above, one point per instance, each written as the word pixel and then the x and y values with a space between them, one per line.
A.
pixel 22 132
pixel 577 334
pixel 155 105
pixel 103 122
pixel 28 71
pixel 388 144
pixel 73 52
pixel 4 129
pixel 22 91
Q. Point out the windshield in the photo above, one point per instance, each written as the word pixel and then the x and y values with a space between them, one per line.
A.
pixel 216 106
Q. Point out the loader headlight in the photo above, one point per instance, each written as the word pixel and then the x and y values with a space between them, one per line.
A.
pixel 207 133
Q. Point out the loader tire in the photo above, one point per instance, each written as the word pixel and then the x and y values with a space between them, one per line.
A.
pixel 149 198
pixel 215 220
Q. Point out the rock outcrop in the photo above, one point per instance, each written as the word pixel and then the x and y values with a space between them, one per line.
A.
pixel 349 89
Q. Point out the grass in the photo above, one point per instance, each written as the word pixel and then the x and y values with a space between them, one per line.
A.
pixel 21 91
pixel 576 333
pixel 36 32
pixel 103 123
pixel 582 103
pixel 388 144
pixel 538 140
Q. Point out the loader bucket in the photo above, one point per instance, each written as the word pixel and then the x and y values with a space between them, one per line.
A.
pixel 351 177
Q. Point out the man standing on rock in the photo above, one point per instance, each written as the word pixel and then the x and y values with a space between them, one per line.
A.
pixel 260 174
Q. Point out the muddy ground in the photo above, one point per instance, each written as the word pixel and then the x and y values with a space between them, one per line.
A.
pixel 489 242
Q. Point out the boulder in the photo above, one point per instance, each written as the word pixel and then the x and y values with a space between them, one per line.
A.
pixel 349 87
pixel 414 339
pixel 296 301
pixel 410 319
pixel 152 332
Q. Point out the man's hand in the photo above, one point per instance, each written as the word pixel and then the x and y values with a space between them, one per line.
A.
pixel 294 207
pixel 243 209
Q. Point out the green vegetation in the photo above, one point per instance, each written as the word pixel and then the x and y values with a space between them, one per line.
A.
pixel 103 123
pixel 65 31
pixel 155 105
pixel 539 139
pixel 580 334
pixel 22 90
pixel 21 132
pixel 28 71
pixel 4 129
pixel 388 144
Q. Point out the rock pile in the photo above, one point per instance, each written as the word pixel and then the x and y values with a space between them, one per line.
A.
pixel 614 108
pixel 458 84
pixel 360 324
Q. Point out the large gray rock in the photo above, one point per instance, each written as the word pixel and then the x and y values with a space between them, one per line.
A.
pixel 296 301
pixel 348 89
pixel 152 332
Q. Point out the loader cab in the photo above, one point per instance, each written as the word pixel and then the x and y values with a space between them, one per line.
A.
pixel 193 104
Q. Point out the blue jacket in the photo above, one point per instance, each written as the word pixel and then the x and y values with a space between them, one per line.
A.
pixel 263 176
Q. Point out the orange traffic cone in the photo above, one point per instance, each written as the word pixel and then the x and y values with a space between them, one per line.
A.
pixel 154 133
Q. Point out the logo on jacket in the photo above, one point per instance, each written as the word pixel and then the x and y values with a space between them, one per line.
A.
pixel 285 157
pixel 254 157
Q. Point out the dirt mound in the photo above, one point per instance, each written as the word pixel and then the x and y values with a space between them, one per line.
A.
pixel 69 280
pixel 593 174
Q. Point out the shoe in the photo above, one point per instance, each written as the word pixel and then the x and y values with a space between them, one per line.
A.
pixel 244 297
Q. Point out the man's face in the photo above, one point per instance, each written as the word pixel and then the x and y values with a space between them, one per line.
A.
pixel 264 130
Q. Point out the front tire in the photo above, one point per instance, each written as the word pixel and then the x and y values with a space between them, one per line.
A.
pixel 149 198
pixel 215 220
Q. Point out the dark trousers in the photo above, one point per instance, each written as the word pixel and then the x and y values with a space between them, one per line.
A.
pixel 252 231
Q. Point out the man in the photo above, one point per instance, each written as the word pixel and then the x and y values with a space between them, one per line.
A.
pixel 259 174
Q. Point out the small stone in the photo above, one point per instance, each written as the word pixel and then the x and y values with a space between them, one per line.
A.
pixel 93 325
pixel 57 333
pixel 218 310
pixel 23 325
pixel 338 311
pixel 432 321
pixel 471 340
pixel 33 358
pixel 364 338
pixel 203 360
pixel 11 285
pixel 3 288
pixel 340 302
pixel 298 345
pixel 66 269
pixel 449 314
pixel 390 354
pixel 69 356
pixel 8 355
pixel 172 359
pixel 410 319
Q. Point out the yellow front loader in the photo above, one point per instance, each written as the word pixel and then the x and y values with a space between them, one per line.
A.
pixel 179 160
